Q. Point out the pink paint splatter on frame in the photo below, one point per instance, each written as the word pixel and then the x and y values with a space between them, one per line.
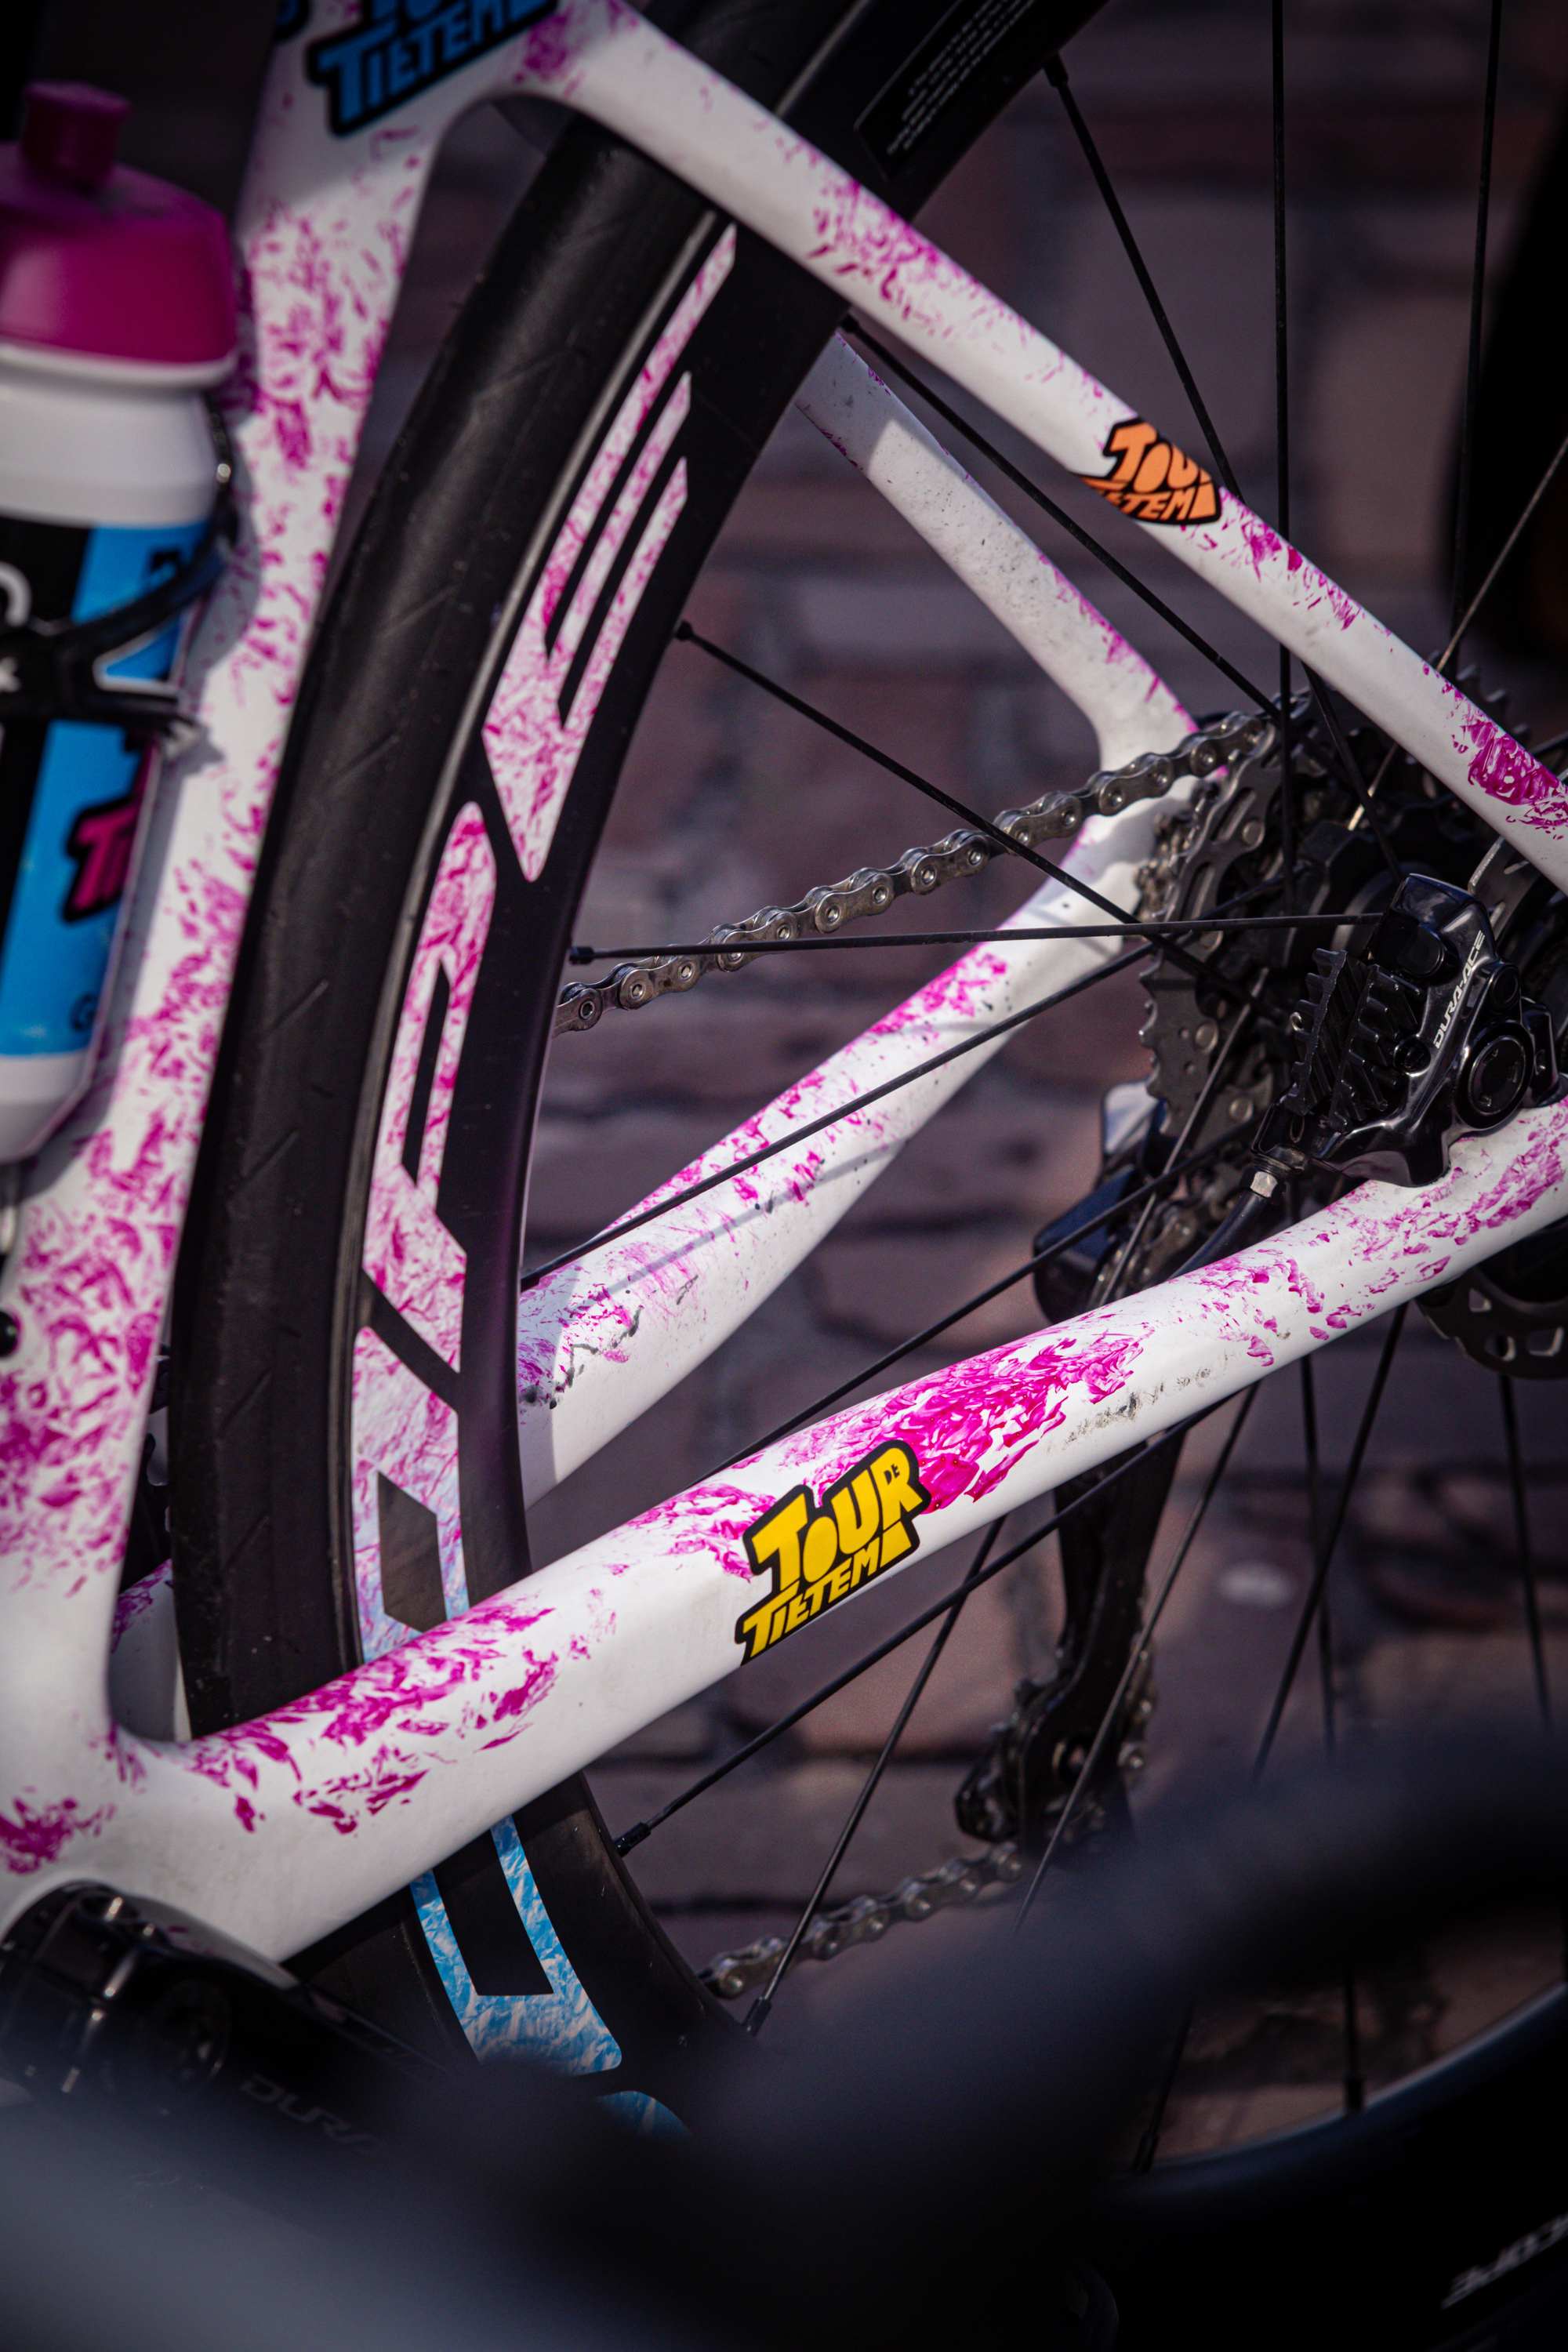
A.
pixel 985 1434
pixel 32 1837
pixel 591 1334
pixel 138 1600
pixel 370 1734
pixel 521 1689
pixel 1506 771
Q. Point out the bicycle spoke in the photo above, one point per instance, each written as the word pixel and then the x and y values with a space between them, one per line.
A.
pixel 1330 1542
pixel 1354 2080
pixel 1444 662
pixel 1352 774
pixel 757 2016
pixel 532 1276
pixel 1326 1669
pixel 634 1836
pixel 1321 699
pixel 1315 1523
pixel 1463 613
pixel 1056 73
pixel 1287 779
pixel 1324 1549
pixel 890 361
pixel 1200 924
pixel 1144 2156
pixel 1190 1127
pixel 1522 1550
pixel 1092 1761
pixel 1450 651
pixel 1015 474
pixel 686 634
pixel 1477 296
pixel 1310 1451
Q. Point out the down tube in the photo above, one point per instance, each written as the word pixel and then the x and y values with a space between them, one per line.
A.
pixel 601 58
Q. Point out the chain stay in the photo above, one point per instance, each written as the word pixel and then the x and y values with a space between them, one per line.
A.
pixel 867 1919
pixel 871 890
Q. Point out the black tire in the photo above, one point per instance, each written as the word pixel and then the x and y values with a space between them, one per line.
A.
pixel 384 753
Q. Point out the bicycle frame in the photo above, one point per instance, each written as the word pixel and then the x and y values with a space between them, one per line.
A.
pixel 283 1829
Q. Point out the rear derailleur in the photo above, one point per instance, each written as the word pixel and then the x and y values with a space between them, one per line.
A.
pixel 1310 1054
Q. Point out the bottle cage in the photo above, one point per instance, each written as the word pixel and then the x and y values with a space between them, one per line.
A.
pixel 56 669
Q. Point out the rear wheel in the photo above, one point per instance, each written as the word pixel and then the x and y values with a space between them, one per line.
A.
pixel 352 1263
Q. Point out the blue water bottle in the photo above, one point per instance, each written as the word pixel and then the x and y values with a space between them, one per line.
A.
pixel 116 317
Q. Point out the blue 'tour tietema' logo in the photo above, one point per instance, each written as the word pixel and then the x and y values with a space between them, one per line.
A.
pixel 400 47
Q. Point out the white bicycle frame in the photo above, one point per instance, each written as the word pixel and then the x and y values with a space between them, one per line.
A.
pixel 284 1827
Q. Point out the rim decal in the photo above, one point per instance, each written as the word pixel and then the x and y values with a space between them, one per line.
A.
pixel 409 1255
pixel 1152 481
pixel 410 1574
pixel 817 1555
pixel 561 2029
pixel 549 691
pixel 407 1532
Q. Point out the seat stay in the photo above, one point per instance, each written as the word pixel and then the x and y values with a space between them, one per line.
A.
pixel 1130 708
pixel 602 58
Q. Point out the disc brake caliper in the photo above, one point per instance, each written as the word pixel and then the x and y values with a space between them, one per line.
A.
pixel 1424 1036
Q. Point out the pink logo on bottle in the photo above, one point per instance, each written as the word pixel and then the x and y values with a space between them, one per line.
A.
pixel 101 841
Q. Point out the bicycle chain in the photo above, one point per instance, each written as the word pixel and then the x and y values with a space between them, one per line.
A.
pixel 871 889
pixel 1055 817
pixel 867 1919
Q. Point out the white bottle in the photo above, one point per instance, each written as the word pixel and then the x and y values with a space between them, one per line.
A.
pixel 116 313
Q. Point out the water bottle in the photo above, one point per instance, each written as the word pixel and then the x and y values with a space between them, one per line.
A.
pixel 117 315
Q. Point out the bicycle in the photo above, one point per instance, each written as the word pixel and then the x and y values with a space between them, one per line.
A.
pixel 381 1331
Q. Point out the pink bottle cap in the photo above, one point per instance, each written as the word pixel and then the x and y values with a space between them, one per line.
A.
pixel 101 262
pixel 71 132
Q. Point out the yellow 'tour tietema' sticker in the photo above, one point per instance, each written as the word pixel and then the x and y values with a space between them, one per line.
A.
pixel 817 1554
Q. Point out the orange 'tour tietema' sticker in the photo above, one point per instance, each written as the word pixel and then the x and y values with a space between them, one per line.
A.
pixel 817 1554
pixel 1152 482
